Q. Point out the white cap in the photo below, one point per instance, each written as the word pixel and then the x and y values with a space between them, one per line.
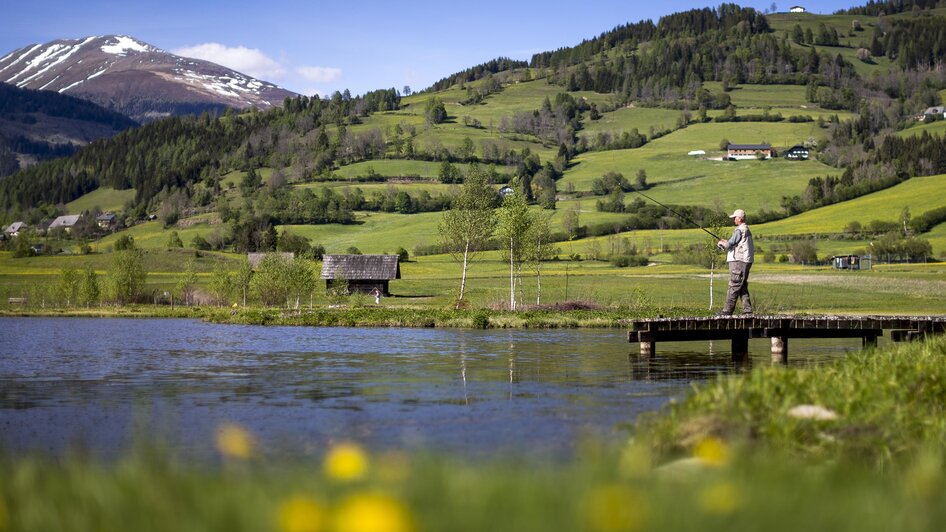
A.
pixel 738 213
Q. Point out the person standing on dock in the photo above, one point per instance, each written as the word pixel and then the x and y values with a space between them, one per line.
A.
pixel 740 252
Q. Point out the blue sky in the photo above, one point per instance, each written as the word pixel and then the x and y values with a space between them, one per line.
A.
pixel 313 46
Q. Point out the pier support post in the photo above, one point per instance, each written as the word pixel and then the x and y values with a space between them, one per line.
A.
pixel 740 345
pixel 869 341
pixel 648 348
pixel 780 350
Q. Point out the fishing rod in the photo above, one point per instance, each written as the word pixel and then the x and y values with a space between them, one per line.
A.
pixel 679 215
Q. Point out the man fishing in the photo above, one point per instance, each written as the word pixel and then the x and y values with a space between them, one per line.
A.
pixel 740 252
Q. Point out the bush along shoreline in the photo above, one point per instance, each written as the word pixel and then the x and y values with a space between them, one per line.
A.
pixel 552 317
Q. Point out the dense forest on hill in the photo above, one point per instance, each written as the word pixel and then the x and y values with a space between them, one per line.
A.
pixel 16 102
pixel 22 110
pixel 890 7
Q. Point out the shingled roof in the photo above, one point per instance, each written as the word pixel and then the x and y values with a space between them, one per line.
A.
pixel 361 267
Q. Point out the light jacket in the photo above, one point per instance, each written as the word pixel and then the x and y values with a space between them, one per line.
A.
pixel 740 247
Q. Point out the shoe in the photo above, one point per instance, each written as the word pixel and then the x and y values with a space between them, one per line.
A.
pixel 723 313
pixel 747 313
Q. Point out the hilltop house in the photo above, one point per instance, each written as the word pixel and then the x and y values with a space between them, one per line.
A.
pixel 931 111
pixel 65 222
pixel 748 151
pixel 363 273
pixel 796 153
pixel 797 9
pixel 15 228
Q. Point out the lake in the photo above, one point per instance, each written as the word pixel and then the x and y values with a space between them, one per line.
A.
pixel 101 384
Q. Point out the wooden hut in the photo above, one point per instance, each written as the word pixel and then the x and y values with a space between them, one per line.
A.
pixel 362 273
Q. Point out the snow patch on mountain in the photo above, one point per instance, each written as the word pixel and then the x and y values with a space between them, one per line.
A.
pixel 124 44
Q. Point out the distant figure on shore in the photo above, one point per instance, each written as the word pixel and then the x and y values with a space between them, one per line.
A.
pixel 740 252
pixel 377 296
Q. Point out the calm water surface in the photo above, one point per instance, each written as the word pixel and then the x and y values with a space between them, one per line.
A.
pixel 98 384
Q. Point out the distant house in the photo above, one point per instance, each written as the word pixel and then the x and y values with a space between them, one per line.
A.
pixel 931 111
pixel 65 222
pixel 106 220
pixel 796 153
pixel 255 258
pixel 748 151
pixel 363 273
pixel 506 191
pixel 851 262
pixel 797 9
pixel 15 228
pixel 696 152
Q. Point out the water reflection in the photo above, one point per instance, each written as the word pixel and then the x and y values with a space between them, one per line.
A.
pixel 298 388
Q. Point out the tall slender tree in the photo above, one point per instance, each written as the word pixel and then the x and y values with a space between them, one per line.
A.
pixel 468 225
pixel 515 223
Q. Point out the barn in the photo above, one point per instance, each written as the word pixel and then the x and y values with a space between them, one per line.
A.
pixel 362 273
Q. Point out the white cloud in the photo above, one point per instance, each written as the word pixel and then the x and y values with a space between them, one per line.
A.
pixel 319 74
pixel 250 61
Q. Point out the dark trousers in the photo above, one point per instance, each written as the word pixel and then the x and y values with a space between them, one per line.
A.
pixel 738 287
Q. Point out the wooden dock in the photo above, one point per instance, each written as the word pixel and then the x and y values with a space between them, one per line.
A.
pixel 739 329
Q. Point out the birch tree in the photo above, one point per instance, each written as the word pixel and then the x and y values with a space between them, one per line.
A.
pixel 468 225
pixel 539 249
pixel 515 223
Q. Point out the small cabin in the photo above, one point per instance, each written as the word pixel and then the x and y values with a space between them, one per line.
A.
pixel 507 191
pixel 797 9
pixel 749 151
pixel 796 153
pixel 362 273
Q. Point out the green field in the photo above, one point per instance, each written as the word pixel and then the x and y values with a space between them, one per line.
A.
pixel 402 168
pixel 102 200
pixel 933 128
pixel 682 179
pixel 919 194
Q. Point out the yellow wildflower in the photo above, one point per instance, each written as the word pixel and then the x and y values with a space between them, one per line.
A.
pixel 720 498
pixel 615 507
pixel 712 451
pixel 346 462
pixel 301 514
pixel 372 512
pixel 234 441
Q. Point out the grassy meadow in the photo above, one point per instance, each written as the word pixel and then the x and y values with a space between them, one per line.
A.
pixel 104 199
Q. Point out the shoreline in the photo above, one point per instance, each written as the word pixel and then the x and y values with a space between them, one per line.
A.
pixel 610 318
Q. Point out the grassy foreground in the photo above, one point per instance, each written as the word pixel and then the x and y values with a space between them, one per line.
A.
pixel 730 457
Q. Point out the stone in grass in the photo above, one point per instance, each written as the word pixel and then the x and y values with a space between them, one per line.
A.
pixel 815 412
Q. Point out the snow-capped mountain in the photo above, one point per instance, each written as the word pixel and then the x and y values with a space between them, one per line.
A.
pixel 134 78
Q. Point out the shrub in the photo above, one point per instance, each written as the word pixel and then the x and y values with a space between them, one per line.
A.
pixel 624 261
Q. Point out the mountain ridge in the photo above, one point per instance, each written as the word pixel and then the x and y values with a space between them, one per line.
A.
pixel 135 78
